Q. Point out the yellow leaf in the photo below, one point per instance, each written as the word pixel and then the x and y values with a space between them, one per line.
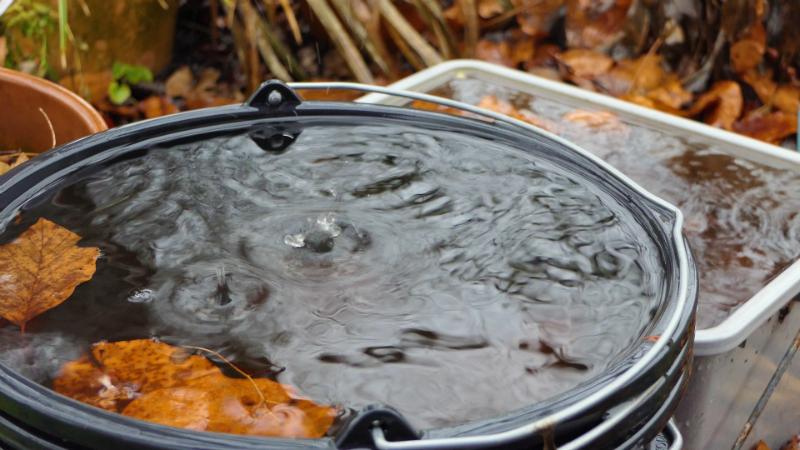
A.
pixel 40 270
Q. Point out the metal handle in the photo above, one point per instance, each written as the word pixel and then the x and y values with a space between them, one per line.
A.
pixel 495 116
pixel 674 435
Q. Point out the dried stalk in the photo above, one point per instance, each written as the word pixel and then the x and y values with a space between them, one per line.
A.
pixel 428 10
pixel 290 17
pixel 471 26
pixel 404 30
pixel 342 40
pixel 257 33
pixel 345 11
pixel 409 54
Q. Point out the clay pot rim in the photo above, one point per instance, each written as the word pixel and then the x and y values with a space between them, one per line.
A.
pixel 73 101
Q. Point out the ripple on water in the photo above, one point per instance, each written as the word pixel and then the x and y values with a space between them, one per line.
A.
pixel 450 278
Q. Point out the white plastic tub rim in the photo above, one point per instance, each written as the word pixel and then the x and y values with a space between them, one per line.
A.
pixel 749 315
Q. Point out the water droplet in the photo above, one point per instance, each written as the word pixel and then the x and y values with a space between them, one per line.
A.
pixel 327 223
pixel 295 240
pixel 141 296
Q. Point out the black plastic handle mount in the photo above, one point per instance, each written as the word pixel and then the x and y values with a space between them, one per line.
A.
pixel 274 95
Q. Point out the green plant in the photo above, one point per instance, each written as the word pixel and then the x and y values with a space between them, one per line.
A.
pixel 125 76
pixel 35 21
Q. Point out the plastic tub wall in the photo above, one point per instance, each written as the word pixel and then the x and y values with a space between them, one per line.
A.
pixel 736 359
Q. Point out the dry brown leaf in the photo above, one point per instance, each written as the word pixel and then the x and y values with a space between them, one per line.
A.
pixel 40 270
pixel 157 106
pixel 150 380
pixel 490 8
pixel 180 83
pixel 769 127
pixel 633 76
pixel 787 99
pixel 762 84
pixel 747 53
pixel 722 104
pixel 494 52
pixel 537 17
pixel 587 64
pixel 670 95
pixel 593 24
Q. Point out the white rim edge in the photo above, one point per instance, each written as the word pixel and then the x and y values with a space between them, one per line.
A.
pixel 677 238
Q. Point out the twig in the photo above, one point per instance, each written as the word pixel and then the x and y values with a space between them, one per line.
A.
pixel 428 54
pixel 346 13
pixel 49 124
pixel 342 40
pixel 256 32
pixel 409 54
pixel 264 401
pixel 432 14
pixel 471 26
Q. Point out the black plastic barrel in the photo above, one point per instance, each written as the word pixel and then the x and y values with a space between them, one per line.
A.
pixel 625 407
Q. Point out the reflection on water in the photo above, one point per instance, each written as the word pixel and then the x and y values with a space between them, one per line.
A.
pixel 742 218
pixel 450 278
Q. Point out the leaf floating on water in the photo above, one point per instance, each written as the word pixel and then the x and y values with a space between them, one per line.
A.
pixel 153 381
pixel 40 270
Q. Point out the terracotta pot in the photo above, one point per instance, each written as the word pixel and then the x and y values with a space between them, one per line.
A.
pixel 24 127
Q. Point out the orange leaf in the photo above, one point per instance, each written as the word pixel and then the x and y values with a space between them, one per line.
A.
pixel 772 127
pixel 747 53
pixel 723 102
pixel 153 381
pixel 586 63
pixel 40 270
pixel 670 95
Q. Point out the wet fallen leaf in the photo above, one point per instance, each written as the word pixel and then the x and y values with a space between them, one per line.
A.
pixel 762 84
pixel 633 76
pixel 40 270
pixel 494 52
pixel 787 99
pixel 721 105
pixel 537 17
pixel 770 127
pixel 157 106
pixel 747 53
pixel 670 95
pixel 584 63
pixel 593 24
pixel 154 381
pixel 490 8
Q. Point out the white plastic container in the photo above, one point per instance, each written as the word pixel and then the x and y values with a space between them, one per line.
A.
pixel 736 359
